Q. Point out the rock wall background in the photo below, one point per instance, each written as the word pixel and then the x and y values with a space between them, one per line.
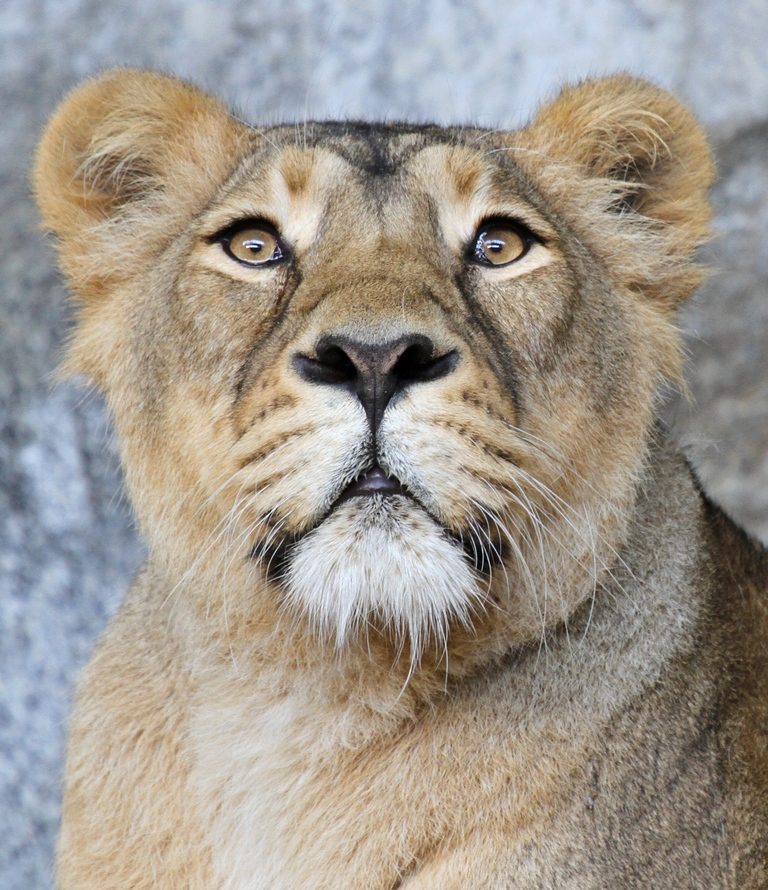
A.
pixel 67 545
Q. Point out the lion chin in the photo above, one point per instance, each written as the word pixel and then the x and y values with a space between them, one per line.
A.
pixel 382 560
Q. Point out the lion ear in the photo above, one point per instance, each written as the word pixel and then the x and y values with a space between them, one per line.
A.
pixel 646 152
pixel 128 157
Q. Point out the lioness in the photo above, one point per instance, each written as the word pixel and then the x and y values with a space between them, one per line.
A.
pixel 430 602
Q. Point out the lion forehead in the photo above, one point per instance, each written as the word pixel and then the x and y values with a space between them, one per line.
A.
pixel 378 179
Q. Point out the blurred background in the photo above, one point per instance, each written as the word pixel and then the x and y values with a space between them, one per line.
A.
pixel 68 548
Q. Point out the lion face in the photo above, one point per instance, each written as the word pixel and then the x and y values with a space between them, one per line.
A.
pixel 382 378
pixel 374 375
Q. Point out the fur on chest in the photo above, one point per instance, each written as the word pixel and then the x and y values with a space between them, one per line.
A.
pixel 293 803
pixel 301 789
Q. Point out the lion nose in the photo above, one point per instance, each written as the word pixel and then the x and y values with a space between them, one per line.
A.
pixel 375 372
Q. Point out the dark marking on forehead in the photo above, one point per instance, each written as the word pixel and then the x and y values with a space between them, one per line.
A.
pixel 295 172
pixel 465 178
pixel 372 150
pixel 375 149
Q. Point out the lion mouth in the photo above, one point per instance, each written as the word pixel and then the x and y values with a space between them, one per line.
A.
pixel 374 481
pixel 276 551
pixel 482 548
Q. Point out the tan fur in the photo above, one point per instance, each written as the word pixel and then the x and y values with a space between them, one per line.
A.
pixel 529 670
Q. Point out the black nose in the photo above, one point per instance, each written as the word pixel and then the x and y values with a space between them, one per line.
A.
pixel 375 372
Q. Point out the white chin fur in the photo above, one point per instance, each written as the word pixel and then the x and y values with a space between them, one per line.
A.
pixel 382 560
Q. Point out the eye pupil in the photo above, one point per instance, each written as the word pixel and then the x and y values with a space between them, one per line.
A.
pixel 253 245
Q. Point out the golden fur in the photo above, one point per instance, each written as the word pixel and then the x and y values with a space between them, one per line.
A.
pixel 537 659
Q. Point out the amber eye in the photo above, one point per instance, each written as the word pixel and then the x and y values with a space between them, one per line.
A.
pixel 252 243
pixel 500 243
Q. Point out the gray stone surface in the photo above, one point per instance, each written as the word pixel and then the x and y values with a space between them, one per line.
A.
pixel 67 545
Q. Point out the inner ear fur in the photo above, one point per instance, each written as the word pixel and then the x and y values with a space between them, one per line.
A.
pixel 648 159
pixel 127 159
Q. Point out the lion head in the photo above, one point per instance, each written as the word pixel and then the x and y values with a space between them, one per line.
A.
pixel 382 379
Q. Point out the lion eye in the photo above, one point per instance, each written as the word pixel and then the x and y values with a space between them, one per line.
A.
pixel 254 244
pixel 500 243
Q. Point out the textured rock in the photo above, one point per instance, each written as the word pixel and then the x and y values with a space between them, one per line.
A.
pixel 726 426
pixel 67 545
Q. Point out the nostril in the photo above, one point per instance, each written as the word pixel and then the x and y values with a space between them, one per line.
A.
pixel 417 365
pixel 337 362
pixel 411 364
pixel 332 365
